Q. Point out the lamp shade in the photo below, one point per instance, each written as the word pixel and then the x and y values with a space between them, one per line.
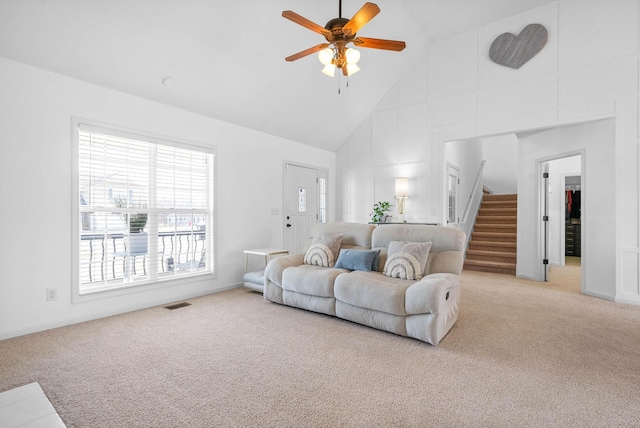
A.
pixel 351 69
pixel 325 56
pixel 352 56
pixel 329 70
pixel 402 187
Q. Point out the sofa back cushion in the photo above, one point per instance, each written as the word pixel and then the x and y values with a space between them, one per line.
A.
pixel 354 235
pixel 447 245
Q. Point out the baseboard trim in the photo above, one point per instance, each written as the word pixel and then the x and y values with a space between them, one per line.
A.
pixel 598 295
pixel 629 300
pixel 38 327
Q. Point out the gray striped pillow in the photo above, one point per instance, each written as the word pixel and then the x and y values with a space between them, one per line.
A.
pixel 406 260
pixel 323 250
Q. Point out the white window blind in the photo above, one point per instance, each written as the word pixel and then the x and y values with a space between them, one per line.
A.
pixel 145 207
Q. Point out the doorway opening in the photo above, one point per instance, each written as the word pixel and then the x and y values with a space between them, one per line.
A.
pixel 562 221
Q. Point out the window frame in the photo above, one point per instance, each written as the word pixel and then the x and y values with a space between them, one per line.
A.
pixel 114 130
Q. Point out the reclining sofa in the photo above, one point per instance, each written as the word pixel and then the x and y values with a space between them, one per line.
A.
pixel 400 278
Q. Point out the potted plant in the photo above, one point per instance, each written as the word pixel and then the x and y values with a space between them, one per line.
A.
pixel 136 239
pixel 378 214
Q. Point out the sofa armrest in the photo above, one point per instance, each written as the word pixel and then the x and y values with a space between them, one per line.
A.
pixel 273 276
pixel 433 294
pixel 276 267
pixel 438 295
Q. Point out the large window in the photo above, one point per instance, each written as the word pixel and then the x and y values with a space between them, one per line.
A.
pixel 145 210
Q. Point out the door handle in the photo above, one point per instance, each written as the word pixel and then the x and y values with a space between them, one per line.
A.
pixel 288 225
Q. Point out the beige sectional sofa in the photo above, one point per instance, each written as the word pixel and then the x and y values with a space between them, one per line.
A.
pixel 424 308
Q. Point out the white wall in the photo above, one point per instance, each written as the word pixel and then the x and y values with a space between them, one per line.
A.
pixel 501 168
pixel 392 142
pixel 588 70
pixel 35 190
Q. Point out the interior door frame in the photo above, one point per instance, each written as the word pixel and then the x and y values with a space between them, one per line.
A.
pixel 540 271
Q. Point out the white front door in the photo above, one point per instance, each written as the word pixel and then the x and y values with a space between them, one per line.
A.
pixel 300 205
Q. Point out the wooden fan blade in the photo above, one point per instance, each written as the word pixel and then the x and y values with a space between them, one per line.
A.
pixel 306 52
pixel 390 45
pixel 364 15
pixel 305 22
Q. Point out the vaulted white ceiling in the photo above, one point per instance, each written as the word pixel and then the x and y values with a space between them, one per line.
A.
pixel 226 58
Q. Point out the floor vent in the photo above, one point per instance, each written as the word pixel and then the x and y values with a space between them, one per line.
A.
pixel 178 305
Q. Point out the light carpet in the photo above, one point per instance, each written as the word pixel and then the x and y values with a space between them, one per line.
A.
pixel 522 354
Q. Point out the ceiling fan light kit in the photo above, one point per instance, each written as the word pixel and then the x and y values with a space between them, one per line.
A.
pixel 339 32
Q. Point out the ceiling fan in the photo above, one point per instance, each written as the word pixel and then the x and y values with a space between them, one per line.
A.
pixel 339 32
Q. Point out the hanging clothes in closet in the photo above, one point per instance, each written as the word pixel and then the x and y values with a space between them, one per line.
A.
pixel 573 204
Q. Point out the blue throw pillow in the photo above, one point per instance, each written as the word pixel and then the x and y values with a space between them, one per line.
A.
pixel 374 263
pixel 358 260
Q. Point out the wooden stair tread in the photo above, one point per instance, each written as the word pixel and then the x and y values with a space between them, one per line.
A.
pixel 508 204
pixel 494 234
pixel 489 264
pixel 498 219
pixel 486 266
pixel 490 253
pixel 511 246
pixel 496 270
pixel 501 197
pixel 512 211
pixel 495 226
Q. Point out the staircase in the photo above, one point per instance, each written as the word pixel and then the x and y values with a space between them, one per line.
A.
pixel 493 241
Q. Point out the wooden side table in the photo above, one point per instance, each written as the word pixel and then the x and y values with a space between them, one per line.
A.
pixel 255 280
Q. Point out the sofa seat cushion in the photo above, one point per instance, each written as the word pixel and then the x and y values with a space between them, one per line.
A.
pixel 372 290
pixel 311 280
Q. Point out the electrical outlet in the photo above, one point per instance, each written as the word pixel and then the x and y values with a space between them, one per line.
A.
pixel 52 294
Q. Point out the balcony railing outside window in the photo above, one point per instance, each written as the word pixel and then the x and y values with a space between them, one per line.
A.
pixel 107 261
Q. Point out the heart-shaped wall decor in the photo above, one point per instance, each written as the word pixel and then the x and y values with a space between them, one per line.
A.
pixel 513 51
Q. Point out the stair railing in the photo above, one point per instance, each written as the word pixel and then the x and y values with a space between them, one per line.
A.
pixel 473 205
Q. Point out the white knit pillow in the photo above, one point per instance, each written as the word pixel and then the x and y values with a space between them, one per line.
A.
pixel 406 260
pixel 323 250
